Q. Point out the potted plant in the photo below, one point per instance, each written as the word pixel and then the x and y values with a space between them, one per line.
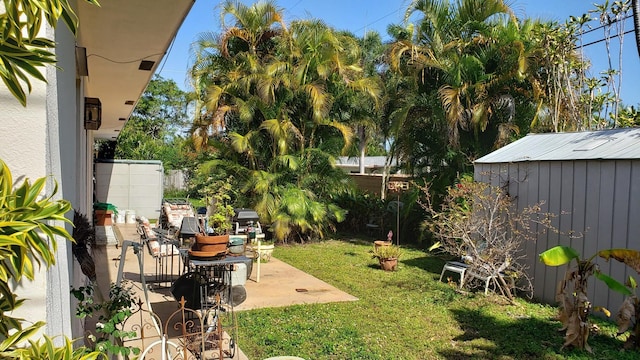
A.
pixel 379 243
pixel 217 197
pixel 387 256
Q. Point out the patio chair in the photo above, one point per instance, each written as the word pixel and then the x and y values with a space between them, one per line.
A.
pixel 162 248
pixel 374 226
pixel 172 213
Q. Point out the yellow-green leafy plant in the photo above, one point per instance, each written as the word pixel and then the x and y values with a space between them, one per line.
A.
pixel 29 228
pixel 23 52
pixel 218 197
pixel 574 305
pixel 628 318
pixel 387 256
pixel 387 252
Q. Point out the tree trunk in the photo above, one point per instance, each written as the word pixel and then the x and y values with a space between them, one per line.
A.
pixel 363 148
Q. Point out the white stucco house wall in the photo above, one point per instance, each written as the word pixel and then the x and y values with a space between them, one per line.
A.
pixel 125 41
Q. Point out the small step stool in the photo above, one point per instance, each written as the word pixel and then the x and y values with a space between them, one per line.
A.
pixel 483 277
pixel 456 267
pixel 488 278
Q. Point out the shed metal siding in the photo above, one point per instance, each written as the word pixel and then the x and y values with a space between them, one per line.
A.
pixel 633 226
pixel 550 194
pixel 590 231
pixel 530 196
pixel 619 220
pixel 604 223
pixel 599 199
pixel 131 185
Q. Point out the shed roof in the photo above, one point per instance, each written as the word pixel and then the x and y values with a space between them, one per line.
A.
pixel 616 144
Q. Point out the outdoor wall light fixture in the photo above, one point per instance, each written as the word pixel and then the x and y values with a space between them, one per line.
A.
pixel 92 113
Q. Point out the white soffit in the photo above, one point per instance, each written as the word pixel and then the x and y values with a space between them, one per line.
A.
pixel 118 35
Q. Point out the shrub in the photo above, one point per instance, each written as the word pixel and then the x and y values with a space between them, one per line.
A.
pixel 112 314
pixel 477 222
pixel 28 230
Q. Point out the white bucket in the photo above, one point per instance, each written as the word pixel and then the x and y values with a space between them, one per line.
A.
pixel 130 216
pixel 120 218
pixel 239 274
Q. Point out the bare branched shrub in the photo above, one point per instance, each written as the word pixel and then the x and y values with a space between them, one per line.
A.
pixel 478 223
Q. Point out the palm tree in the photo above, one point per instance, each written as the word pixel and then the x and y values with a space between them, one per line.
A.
pixel 368 113
pixel 222 62
pixel 273 102
pixel 363 113
pixel 457 43
pixel 475 74
pixel 560 76
pixel 447 84
pixel 253 26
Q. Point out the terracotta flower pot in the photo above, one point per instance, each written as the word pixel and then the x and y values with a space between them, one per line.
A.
pixel 378 243
pixel 103 217
pixel 389 264
pixel 211 244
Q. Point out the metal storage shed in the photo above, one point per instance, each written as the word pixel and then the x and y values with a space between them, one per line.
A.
pixel 591 181
pixel 131 185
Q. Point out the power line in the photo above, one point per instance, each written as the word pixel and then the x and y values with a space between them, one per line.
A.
pixel 382 18
pixel 610 37
pixel 363 27
pixel 603 25
pixel 294 5
pixel 166 56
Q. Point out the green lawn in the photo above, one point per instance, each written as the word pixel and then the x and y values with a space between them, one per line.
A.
pixel 406 314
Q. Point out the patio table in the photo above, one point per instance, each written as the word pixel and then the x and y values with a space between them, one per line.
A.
pixel 218 288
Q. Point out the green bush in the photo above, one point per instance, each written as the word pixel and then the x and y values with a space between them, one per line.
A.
pixel 28 229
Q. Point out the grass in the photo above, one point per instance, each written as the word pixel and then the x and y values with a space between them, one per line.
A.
pixel 406 314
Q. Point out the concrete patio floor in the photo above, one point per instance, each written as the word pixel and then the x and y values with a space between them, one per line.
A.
pixel 279 285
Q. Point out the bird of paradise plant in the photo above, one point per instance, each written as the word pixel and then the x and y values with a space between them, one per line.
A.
pixel 574 305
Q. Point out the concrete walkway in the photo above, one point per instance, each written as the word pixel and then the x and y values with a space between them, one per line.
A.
pixel 280 284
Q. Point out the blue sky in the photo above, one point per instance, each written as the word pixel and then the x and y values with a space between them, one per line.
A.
pixel 359 16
